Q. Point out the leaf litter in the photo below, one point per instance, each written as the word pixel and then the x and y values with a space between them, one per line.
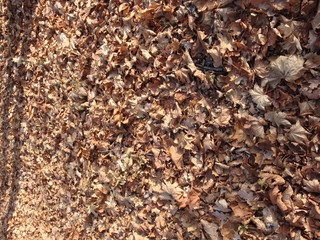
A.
pixel 161 119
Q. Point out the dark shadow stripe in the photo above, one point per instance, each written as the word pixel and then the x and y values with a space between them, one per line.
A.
pixel 18 30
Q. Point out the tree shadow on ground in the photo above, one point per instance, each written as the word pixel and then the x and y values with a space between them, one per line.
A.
pixel 17 35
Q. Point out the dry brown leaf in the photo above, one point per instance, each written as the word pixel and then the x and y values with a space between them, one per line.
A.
pixel 246 194
pixel 222 206
pixel 278 180
pixel 270 219
pixel 289 68
pixel 146 54
pixel 180 97
pixel 241 210
pixel 298 134
pixel 313 60
pixel 229 231
pixel 259 97
pixel 192 199
pixel 211 229
pixel 276 198
pixel 312 185
pixel 316 20
pixel 139 237
pixel 183 74
pixel 225 43
pixel 277 118
pixel 223 118
pixel 171 191
pixel 208 143
pixel 176 155
pixel 188 60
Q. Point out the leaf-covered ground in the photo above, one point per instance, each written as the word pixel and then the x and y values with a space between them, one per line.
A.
pixel 160 119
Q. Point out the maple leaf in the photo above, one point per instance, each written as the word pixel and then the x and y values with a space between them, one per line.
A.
pixel 278 118
pixel 259 97
pixel 298 133
pixel 289 68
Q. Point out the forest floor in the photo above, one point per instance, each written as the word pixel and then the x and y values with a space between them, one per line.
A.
pixel 160 119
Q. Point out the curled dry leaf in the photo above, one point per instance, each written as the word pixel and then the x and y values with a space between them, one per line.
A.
pixel 298 134
pixel 311 185
pixel 276 197
pixel 277 180
pixel 188 60
pixel 139 237
pixel 259 97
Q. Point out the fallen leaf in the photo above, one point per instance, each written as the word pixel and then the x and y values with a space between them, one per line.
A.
pixel 269 219
pixel 188 60
pixel 171 191
pixel 298 134
pixel 277 180
pixel 211 229
pixel 289 68
pixel 311 185
pixel 241 210
pixel 277 118
pixel 222 206
pixel 176 156
pixel 259 97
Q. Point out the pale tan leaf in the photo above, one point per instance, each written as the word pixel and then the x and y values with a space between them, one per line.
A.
pixel 182 74
pixel 269 219
pixel 171 190
pixel 223 118
pixel 277 179
pixel 139 237
pixel 312 185
pixel 225 43
pixel 176 156
pixel 289 68
pixel 277 118
pixel 255 128
pixel 259 97
pixel 222 206
pixel 146 54
pixel 313 60
pixel 298 133
pixel 211 229
pixel 188 60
